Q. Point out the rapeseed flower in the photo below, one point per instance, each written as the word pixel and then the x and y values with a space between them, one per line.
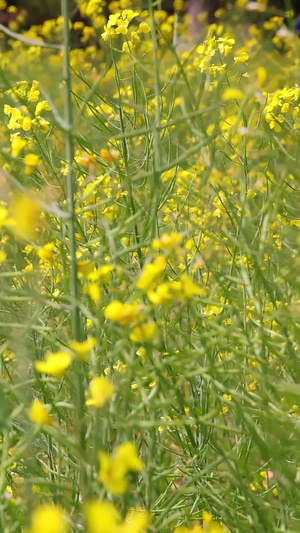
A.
pixel 4 215
pixel 209 526
pixel 124 314
pixel 143 333
pixel 167 241
pixel 41 106
pixel 100 391
pixel 136 521
pixel 113 470
pixel 31 162
pixel 127 453
pixel 241 58
pixel 102 273
pixel 93 291
pixel 189 288
pixel 39 413
pixel 85 268
pixel 55 364
pixel 2 256
pixel 45 253
pixel 101 517
pixel 25 213
pixel 161 295
pixel 151 273
pixel 48 519
pixel 143 28
pixel 83 349
pixel 17 145
pixel 16 117
pixel 33 93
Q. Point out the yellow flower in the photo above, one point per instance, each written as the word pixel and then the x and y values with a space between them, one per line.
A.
pixel 127 47
pixel 33 93
pixel 2 256
pixel 136 521
pixel 112 474
pixel 113 470
pixel 31 162
pixel 179 5
pixel 127 453
pixel 209 525
pixel 162 295
pixel 100 391
pixel 262 76
pixel 55 364
pixel 241 58
pixel 101 517
pixel 190 288
pixel 225 408
pixel 25 214
pixel 93 291
pixel 227 397
pixel 285 108
pixel 17 145
pixel 225 45
pixel 102 273
pixel 232 93
pixel 110 212
pixel 143 333
pixel 39 413
pixel 16 117
pixel 124 314
pixel 41 106
pixel 168 241
pixel 104 153
pixel 26 123
pixel 4 216
pixel 212 310
pixel 144 28
pixel 18 92
pixel 45 253
pixel 48 519
pixel 122 28
pixel 83 349
pixel 85 268
pixel 41 123
pixel 151 274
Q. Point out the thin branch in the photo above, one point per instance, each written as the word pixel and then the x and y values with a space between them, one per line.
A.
pixel 27 40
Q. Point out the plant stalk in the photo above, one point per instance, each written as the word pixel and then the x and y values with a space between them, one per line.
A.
pixel 73 277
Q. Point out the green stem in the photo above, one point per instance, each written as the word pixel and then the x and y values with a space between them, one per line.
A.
pixel 73 278
pixel 156 127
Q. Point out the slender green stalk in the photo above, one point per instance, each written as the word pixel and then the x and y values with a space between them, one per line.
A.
pixel 156 89
pixel 73 278
pixel 27 40
pixel 156 128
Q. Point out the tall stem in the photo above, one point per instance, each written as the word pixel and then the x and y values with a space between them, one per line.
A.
pixel 156 127
pixel 73 278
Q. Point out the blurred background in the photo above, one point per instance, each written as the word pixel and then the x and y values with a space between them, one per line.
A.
pixel 39 11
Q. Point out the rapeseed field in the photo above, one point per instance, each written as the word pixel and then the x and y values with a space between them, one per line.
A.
pixel 150 270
